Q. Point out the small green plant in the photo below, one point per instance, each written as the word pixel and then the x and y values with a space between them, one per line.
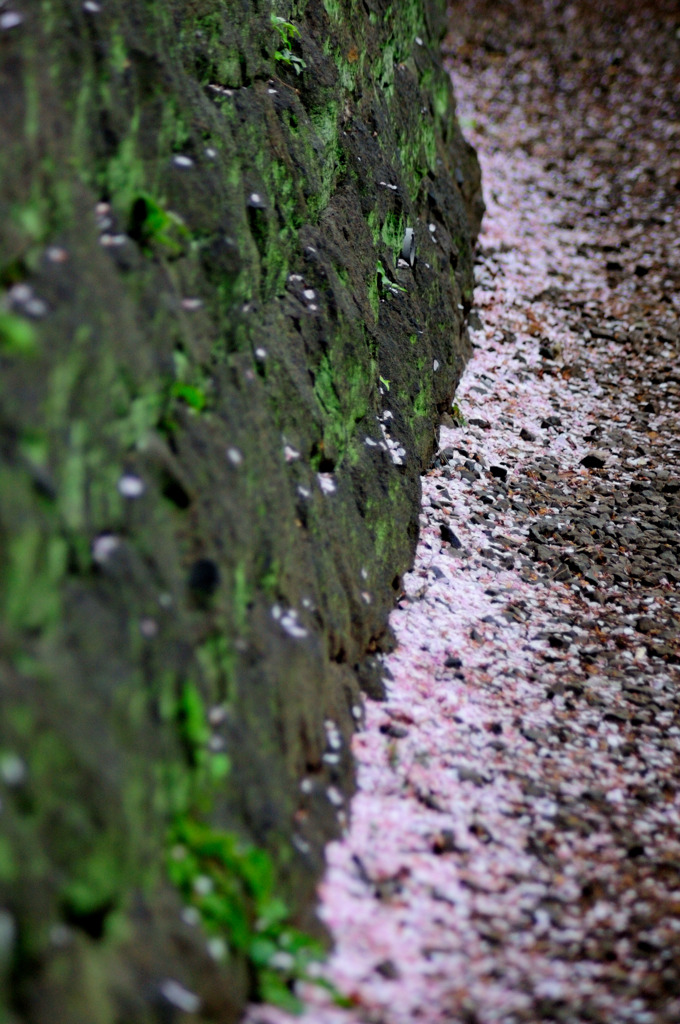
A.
pixel 193 396
pixel 231 885
pixel 288 32
pixel 385 283
pixel 158 230
pixel 192 393
pixel 17 335
pixel 457 415
pixel 385 383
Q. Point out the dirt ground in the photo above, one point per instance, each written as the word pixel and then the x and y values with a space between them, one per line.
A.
pixel 513 852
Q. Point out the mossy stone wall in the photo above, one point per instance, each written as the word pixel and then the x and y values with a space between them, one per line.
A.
pixel 218 387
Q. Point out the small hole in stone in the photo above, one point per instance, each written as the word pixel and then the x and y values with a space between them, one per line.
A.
pixel 174 492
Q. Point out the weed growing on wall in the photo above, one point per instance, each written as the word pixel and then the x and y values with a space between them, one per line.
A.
pixel 229 886
pixel 288 33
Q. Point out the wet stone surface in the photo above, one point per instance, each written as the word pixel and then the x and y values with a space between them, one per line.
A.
pixel 513 852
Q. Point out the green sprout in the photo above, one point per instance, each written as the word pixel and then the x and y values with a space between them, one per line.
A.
pixel 293 61
pixel 286 29
pixel 193 396
pixel 17 335
pixel 190 385
pixel 229 885
pixel 385 283
pixel 385 383
pixel 288 33
pixel 457 415
pixel 157 229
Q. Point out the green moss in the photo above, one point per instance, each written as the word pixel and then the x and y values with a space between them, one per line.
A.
pixel 33 577
pixel 192 722
pixel 242 596
pixel 441 97
pixel 325 124
pixel 334 10
pixel 218 662
pixel 9 868
pixel 32 217
pixel 373 221
pixel 219 62
pixel 269 580
pixel 124 175
pixel 374 296
pixel 158 230
pixel 118 55
pixel 381 529
pixel 350 67
pixel 385 69
pixel 81 109
pixel 97 881
pixel 31 102
pixel 174 133
pixel 418 151
pixel 340 388
pixel 421 405
pixel 46 208
pixel 137 417
pixel 72 483
pixel 392 233
pixel 18 336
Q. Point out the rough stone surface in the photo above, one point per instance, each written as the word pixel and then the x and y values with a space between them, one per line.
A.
pixel 221 369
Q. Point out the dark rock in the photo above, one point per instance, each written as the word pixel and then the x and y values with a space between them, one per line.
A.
pixel 388 969
pixel 394 730
pixel 593 460
pixel 371 674
pixel 449 537
pixel 579 563
pixel 444 842
pixel 467 774
pixel 500 472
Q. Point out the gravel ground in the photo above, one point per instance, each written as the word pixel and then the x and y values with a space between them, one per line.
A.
pixel 514 848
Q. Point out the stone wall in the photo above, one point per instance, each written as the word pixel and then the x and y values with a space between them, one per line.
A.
pixel 219 382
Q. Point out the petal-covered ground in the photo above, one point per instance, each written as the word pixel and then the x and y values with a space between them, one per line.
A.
pixel 513 852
